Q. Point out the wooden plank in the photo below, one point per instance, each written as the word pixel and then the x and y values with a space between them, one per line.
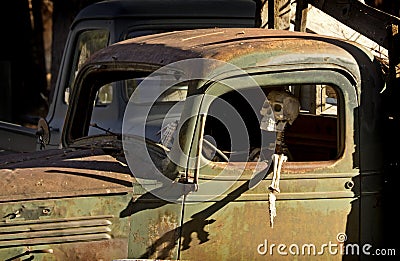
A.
pixel 279 10
pixel 362 18
pixel 300 22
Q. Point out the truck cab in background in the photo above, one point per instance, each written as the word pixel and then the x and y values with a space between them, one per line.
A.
pixel 105 23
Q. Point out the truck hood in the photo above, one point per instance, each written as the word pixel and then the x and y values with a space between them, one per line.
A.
pixel 62 173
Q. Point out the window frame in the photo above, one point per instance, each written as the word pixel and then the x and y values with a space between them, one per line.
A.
pixel 347 106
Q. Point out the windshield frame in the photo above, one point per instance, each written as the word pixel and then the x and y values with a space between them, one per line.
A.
pixel 89 80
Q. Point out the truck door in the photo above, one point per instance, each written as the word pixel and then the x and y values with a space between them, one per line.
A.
pixel 308 203
pixel 156 208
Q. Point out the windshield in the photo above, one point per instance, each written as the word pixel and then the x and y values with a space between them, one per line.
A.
pixel 155 105
pixel 177 92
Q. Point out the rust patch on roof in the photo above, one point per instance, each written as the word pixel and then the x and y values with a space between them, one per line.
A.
pixel 222 43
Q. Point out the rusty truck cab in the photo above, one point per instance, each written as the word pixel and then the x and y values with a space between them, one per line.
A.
pixel 326 196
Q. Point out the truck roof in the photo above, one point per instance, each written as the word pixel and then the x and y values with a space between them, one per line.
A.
pixel 115 9
pixel 254 50
pixel 226 44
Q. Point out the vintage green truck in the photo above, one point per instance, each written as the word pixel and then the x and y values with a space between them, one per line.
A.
pixel 236 144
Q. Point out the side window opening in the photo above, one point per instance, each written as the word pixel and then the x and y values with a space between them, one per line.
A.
pixel 104 95
pixel 88 43
pixel 312 136
pixel 218 134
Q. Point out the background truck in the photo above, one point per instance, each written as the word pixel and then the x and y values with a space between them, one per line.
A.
pixel 107 22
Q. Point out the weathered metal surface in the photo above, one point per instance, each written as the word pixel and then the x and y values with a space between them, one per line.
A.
pixel 67 201
pixel 62 173
pixel 54 231
pixel 208 228
pixel 223 44
pixel 155 228
pixel 70 225
pixel 288 167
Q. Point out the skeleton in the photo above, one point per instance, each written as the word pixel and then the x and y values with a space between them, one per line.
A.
pixel 284 107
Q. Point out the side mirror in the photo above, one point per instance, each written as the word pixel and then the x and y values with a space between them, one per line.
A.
pixel 43 133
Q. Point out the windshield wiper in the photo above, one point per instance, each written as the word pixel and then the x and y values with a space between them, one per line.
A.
pixel 94 125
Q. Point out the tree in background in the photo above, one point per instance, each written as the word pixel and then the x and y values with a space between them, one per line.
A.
pixel 25 63
pixel 21 56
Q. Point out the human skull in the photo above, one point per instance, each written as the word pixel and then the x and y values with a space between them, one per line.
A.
pixel 285 108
